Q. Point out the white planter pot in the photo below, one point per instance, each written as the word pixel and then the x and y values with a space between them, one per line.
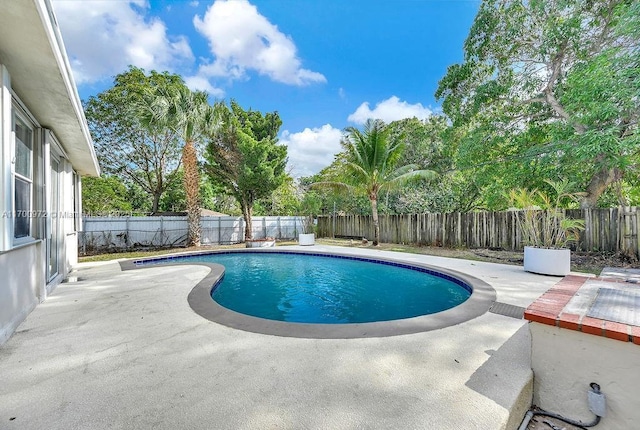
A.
pixel 260 243
pixel 306 239
pixel 556 262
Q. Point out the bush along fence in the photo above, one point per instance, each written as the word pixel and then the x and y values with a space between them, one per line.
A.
pixel 134 232
pixel 609 229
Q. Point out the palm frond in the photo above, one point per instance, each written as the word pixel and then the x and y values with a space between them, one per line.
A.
pixel 406 174
pixel 357 170
pixel 333 185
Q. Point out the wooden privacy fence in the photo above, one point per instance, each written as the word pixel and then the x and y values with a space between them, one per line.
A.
pixel 609 229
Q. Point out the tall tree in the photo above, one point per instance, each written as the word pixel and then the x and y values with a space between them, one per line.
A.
pixel 104 195
pixel 147 156
pixel 430 144
pixel 189 114
pixel 335 197
pixel 424 142
pixel 174 199
pixel 370 163
pixel 548 88
pixel 244 157
pixel 284 200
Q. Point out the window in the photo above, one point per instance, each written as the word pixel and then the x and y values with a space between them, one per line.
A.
pixel 23 179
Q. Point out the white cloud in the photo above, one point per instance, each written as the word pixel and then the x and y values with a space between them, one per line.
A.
pixel 312 149
pixel 104 37
pixel 203 84
pixel 391 109
pixel 241 39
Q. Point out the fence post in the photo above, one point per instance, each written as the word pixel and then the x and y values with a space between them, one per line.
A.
pixel 84 236
pixel 615 229
pixel 126 234
pixel 279 231
pixel 635 232
pixel 629 226
pixel 333 223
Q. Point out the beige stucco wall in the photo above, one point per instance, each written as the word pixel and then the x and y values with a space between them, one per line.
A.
pixel 565 362
pixel 21 285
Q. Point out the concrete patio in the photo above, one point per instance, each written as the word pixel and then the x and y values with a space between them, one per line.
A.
pixel 124 350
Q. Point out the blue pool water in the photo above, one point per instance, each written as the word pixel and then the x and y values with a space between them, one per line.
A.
pixel 329 290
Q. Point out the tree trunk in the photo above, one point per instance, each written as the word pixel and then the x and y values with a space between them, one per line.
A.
pixel 192 191
pixel 598 184
pixel 156 202
pixel 247 210
pixel 376 225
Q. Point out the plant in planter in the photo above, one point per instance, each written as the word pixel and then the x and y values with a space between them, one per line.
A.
pixel 545 228
pixel 310 205
pixel 308 236
pixel 266 242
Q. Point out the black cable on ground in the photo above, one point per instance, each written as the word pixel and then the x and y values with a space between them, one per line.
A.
pixel 579 424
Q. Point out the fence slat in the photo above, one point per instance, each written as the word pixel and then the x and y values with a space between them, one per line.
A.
pixel 606 229
pixel 167 231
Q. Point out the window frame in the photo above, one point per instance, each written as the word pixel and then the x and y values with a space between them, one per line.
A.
pixel 19 116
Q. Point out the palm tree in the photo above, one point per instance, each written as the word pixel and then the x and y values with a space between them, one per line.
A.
pixel 190 115
pixel 370 164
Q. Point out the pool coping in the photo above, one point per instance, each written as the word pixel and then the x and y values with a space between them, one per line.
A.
pixel 553 309
pixel 482 298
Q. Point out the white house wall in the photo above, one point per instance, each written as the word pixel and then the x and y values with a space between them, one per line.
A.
pixel 31 48
pixel 24 266
pixel 69 237
pixel 5 155
pixel 36 81
pixel 21 286
pixel 565 362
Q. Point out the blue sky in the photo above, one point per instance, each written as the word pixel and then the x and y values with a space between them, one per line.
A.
pixel 322 64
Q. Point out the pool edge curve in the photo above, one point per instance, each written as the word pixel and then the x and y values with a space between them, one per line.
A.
pixel 199 298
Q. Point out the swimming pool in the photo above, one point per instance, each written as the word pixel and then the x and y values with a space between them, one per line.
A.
pixel 303 294
pixel 323 289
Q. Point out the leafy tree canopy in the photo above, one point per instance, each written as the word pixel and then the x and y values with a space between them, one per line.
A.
pixel 188 114
pixel 336 198
pixel 369 162
pixel 125 147
pixel 244 158
pixel 424 142
pixel 104 195
pixel 548 88
pixel 430 144
pixel 285 200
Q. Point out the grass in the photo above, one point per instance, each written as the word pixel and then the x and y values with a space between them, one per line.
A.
pixel 581 262
pixel 145 253
pixel 155 252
